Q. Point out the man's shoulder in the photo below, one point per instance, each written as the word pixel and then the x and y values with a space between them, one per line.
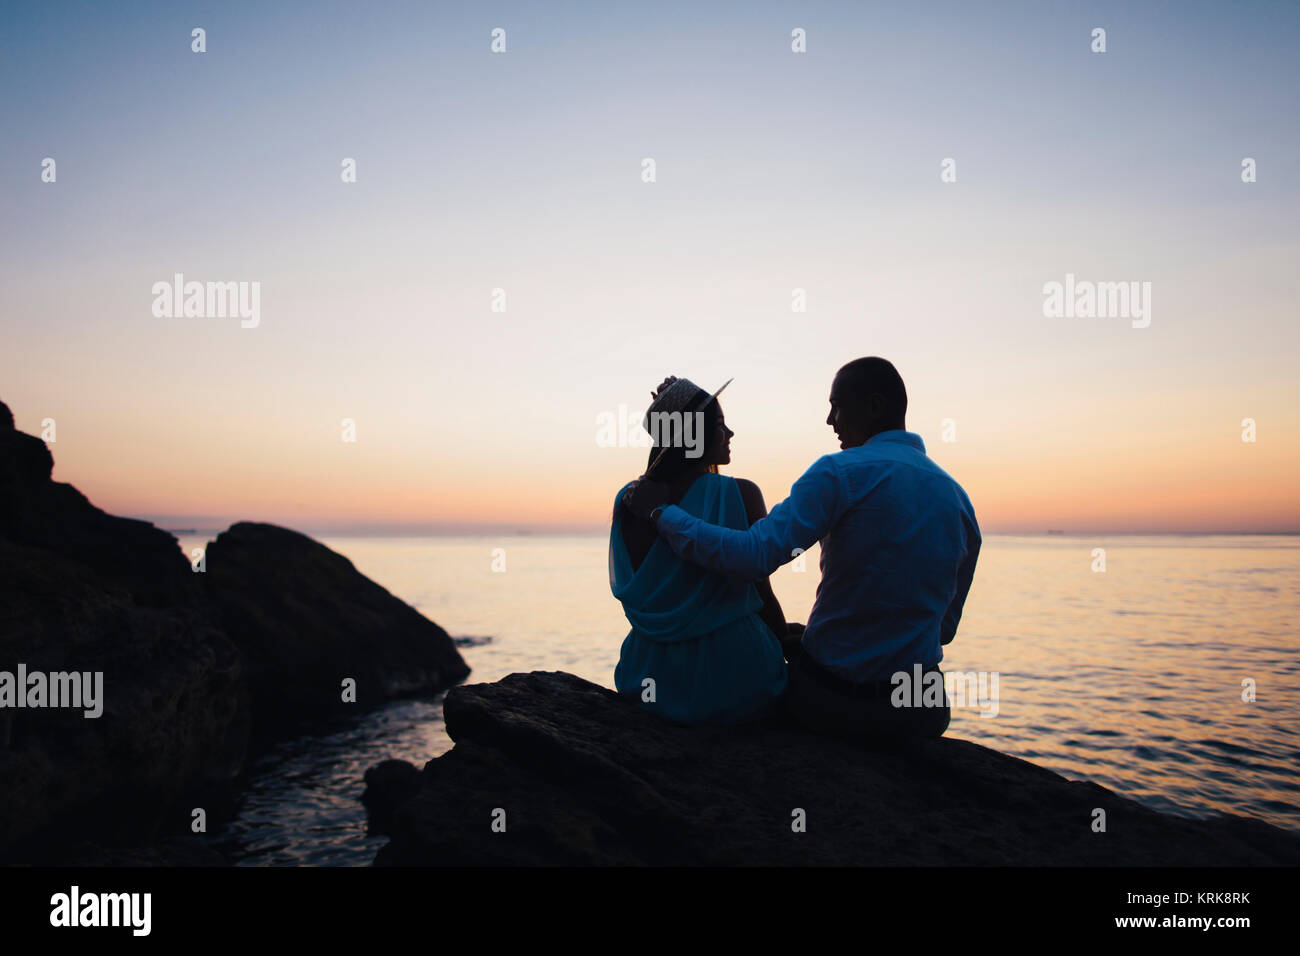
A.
pixel 963 502
pixel 831 461
pixel 863 458
pixel 828 471
pixel 963 499
pixel 882 456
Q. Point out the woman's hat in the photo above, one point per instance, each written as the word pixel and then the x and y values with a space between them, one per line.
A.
pixel 682 396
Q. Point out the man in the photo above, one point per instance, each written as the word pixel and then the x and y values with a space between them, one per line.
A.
pixel 899 544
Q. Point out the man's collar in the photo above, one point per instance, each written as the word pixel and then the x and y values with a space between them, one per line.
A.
pixel 899 435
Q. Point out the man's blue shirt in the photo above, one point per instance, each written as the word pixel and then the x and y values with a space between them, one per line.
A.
pixel 899 544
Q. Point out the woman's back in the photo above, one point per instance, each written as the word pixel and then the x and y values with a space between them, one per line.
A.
pixel 697 650
pixel 639 534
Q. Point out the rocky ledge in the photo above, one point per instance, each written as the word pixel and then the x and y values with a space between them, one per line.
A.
pixel 197 668
pixel 578 775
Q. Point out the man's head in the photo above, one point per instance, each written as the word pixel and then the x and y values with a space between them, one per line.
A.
pixel 867 397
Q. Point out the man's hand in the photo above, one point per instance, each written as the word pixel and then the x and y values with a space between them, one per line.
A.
pixel 644 495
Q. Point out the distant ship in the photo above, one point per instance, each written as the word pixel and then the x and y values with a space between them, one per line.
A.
pixel 1054 531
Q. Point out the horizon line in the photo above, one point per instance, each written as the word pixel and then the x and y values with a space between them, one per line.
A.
pixel 174 526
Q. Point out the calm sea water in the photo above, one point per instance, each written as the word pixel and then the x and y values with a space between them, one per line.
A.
pixel 1131 677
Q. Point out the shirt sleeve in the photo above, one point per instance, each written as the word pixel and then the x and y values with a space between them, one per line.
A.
pixel 816 502
pixel 965 574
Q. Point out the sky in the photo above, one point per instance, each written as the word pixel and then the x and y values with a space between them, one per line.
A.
pixel 522 171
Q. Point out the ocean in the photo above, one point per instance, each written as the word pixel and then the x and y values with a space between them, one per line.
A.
pixel 1132 677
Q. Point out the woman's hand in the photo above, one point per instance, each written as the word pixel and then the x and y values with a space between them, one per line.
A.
pixel 663 385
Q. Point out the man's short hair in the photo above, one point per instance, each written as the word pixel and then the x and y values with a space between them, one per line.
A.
pixel 867 376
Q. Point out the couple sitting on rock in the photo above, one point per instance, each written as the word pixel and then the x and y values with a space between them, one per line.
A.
pixel 691 551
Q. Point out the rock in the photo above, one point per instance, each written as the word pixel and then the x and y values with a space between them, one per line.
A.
pixel 175 719
pixel 388 785
pixel 42 513
pixel 82 590
pixel 585 777
pixel 197 668
pixel 306 619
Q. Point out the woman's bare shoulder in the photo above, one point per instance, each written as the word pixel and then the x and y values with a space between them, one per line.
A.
pixel 752 495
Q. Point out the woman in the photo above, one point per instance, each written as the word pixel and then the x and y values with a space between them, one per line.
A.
pixel 703 647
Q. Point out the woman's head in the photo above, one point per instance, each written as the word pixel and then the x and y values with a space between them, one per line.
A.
pixel 691 438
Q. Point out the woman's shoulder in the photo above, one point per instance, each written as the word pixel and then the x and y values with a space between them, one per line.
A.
pixel 752 496
pixel 618 498
pixel 748 490
pixel 710 482
pixel 728 483
pixel 738 493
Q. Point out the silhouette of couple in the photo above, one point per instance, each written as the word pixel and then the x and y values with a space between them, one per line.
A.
pixel 690 552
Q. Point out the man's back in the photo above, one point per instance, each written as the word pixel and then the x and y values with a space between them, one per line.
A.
pixel 896 564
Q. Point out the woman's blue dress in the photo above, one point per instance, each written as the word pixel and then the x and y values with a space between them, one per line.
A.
pixel 695 633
